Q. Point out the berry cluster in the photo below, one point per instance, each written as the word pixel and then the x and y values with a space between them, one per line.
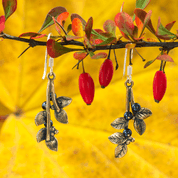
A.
pixel 86 83
pixel 60 115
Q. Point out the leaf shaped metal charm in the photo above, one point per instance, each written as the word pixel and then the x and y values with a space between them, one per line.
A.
pixel 40 118
pixel 143 113
pixel 120 123
pixel 129 139
pixel 52 144
pixel 117 138
pixel 61 116
pixel 139 126
pixel 120 151
pixel 63 101
pixel 41 135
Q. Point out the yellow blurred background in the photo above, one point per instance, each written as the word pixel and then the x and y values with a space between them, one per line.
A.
pixel 83 146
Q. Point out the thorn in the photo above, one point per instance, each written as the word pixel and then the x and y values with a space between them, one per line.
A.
pixel 24 51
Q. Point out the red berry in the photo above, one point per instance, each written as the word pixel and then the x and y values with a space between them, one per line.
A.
pixel 159 85
pixel 106 73
pixel 86 87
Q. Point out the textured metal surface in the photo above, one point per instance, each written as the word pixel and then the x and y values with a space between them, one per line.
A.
pixel 120 123
pixel 61 116
pixel 44 117
pixel 40 118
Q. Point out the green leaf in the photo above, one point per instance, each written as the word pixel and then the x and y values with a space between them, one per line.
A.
pixel 9 7
pixel 142 3
pixel 69 28
pixel 163 33
pixel 91 53
pixel 108 41
pixel 149 63
pixel 55 49
pixel 99 55
pixel 52 13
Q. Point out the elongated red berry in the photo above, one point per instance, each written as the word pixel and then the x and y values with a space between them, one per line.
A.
pixel 86 87
pixel 159 86
pixel 106 73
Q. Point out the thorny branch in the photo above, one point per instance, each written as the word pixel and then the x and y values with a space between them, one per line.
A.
pixel 118 45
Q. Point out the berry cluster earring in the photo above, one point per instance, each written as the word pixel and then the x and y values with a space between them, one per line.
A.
pixel 43 117
pixel 138 114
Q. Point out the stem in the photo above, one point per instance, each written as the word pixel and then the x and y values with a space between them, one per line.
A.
pixel 83 67
pixel 118 45
pixel 117 65
pixel 139 55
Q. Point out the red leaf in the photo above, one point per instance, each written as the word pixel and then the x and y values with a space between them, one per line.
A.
pixel 141 14
pixel 32 35
pixel 62 18
pixel 55 49
pixel 88 27
pixel 52 13
pixel 9 7
pixel 2 23
pixel 73 16
pixel 77 28
pixel 165 57
pixel 99 55
pixel 139 23
pixel 57 26
pixel 170 25
pixel 125 23
pixel 80 55
pixel 110 27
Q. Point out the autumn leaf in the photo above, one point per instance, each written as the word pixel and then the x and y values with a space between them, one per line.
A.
pixel 125 23
pixel 32 35
pixel 83 146
pixel 52 13
pixel 77 27
pixel 10 7
pixel 165 57
pixel 2 23
pixel 55 49
pixel 164 33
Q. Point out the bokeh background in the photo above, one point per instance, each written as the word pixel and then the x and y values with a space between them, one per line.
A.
pixel 84 149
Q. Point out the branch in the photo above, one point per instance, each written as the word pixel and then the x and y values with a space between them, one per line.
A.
pixel 118 45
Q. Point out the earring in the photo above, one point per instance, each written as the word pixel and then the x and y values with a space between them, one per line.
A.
pixel 43 117
pixel 133 111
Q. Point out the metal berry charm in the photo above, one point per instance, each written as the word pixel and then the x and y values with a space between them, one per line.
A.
pixel 138 114
pixel 43 117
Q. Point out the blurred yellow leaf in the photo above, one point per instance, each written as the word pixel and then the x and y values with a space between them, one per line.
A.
pixel 83 146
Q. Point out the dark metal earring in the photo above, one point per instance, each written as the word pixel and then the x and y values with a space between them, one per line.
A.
pixel 43 117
